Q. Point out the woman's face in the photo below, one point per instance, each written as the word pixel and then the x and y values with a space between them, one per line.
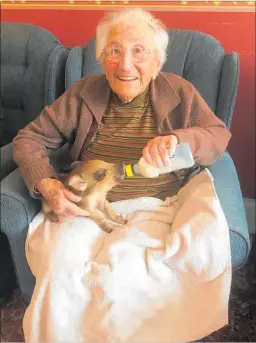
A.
pixel 130 60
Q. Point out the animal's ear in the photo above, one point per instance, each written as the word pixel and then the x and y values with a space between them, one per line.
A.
pixel 77 182
pixel 75 164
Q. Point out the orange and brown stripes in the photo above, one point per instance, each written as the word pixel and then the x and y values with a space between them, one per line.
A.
pixel 124 131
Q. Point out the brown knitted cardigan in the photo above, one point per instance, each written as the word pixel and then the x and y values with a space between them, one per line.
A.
pixel 76 115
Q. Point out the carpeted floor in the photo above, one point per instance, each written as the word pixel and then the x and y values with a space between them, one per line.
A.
pixel 242 315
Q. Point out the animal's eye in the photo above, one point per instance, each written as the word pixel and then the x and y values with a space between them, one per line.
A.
pixel 100 174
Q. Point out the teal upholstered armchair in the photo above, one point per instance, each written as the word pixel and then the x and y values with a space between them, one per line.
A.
pixel 202 60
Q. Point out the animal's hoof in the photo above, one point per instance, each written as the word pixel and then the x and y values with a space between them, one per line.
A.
pixel 170 200
pixel 121 219
pixel 53 217
pixel 108 228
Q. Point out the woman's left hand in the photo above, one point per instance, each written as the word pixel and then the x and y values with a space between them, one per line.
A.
pixel 158 150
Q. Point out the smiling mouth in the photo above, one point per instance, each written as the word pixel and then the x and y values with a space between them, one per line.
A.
pixel 126 78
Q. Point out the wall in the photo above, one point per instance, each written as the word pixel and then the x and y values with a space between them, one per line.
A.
pixel 235 30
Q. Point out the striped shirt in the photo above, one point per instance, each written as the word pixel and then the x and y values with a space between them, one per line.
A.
pixel 124 131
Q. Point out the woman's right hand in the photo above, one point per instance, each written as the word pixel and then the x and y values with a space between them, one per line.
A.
pixel 60 198
pixel 159 149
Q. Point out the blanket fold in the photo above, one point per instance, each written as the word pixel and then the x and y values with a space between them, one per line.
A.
pixel 164 277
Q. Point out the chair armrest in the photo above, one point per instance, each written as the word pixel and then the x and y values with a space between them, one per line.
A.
pixel 17 206
pixel 17 211
pixel 229 193
pixel 7 162
pixel 228 87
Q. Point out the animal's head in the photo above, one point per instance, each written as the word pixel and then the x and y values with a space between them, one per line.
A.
pixel 95 175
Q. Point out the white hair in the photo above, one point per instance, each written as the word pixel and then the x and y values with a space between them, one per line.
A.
pixel 132 16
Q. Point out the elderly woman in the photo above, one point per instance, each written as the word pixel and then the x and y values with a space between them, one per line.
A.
pixel 134 109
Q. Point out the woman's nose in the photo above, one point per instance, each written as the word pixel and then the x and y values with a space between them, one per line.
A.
pixel 126 62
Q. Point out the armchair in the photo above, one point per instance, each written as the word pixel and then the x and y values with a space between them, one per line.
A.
pixel 32 76
pixel 201 59
pixel 197 57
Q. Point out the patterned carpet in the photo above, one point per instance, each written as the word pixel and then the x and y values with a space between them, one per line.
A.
pixel 242 315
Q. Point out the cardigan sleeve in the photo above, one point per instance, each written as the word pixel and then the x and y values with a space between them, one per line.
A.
pixel 206 134
pixel 49 131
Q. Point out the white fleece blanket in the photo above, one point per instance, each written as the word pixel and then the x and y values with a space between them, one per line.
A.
pixel 165 277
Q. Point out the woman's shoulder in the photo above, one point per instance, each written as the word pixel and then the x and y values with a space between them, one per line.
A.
pixel 89 87
pixel 87 82
pixel 176 81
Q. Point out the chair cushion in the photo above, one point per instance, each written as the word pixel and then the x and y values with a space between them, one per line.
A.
pixel 228 189
pixel 198 57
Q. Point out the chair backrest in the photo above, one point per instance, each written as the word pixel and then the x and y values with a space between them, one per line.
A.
pixel 196 56
pixel 32 74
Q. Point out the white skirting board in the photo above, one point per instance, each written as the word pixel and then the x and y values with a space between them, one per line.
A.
pixel 250 207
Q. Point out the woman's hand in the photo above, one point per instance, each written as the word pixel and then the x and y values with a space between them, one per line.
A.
pixel 159 149
pixel 60 198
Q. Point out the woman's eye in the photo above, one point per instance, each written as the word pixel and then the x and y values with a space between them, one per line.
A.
pixel 115 52
pixel 99 175
pixel 138 50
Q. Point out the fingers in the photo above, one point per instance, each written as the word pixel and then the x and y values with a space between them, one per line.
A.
pixel 61 199
pixel 71 196
pixel 66 207
pixel 152 155
pixel 158 150
pixel 172 142
pixel 74 210
pixel 151 152
pixel 71 211
pixel 147 156
pixel 156 154
pixel 163 153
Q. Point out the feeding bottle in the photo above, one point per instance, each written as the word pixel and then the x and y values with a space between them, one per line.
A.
pixel 182 158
